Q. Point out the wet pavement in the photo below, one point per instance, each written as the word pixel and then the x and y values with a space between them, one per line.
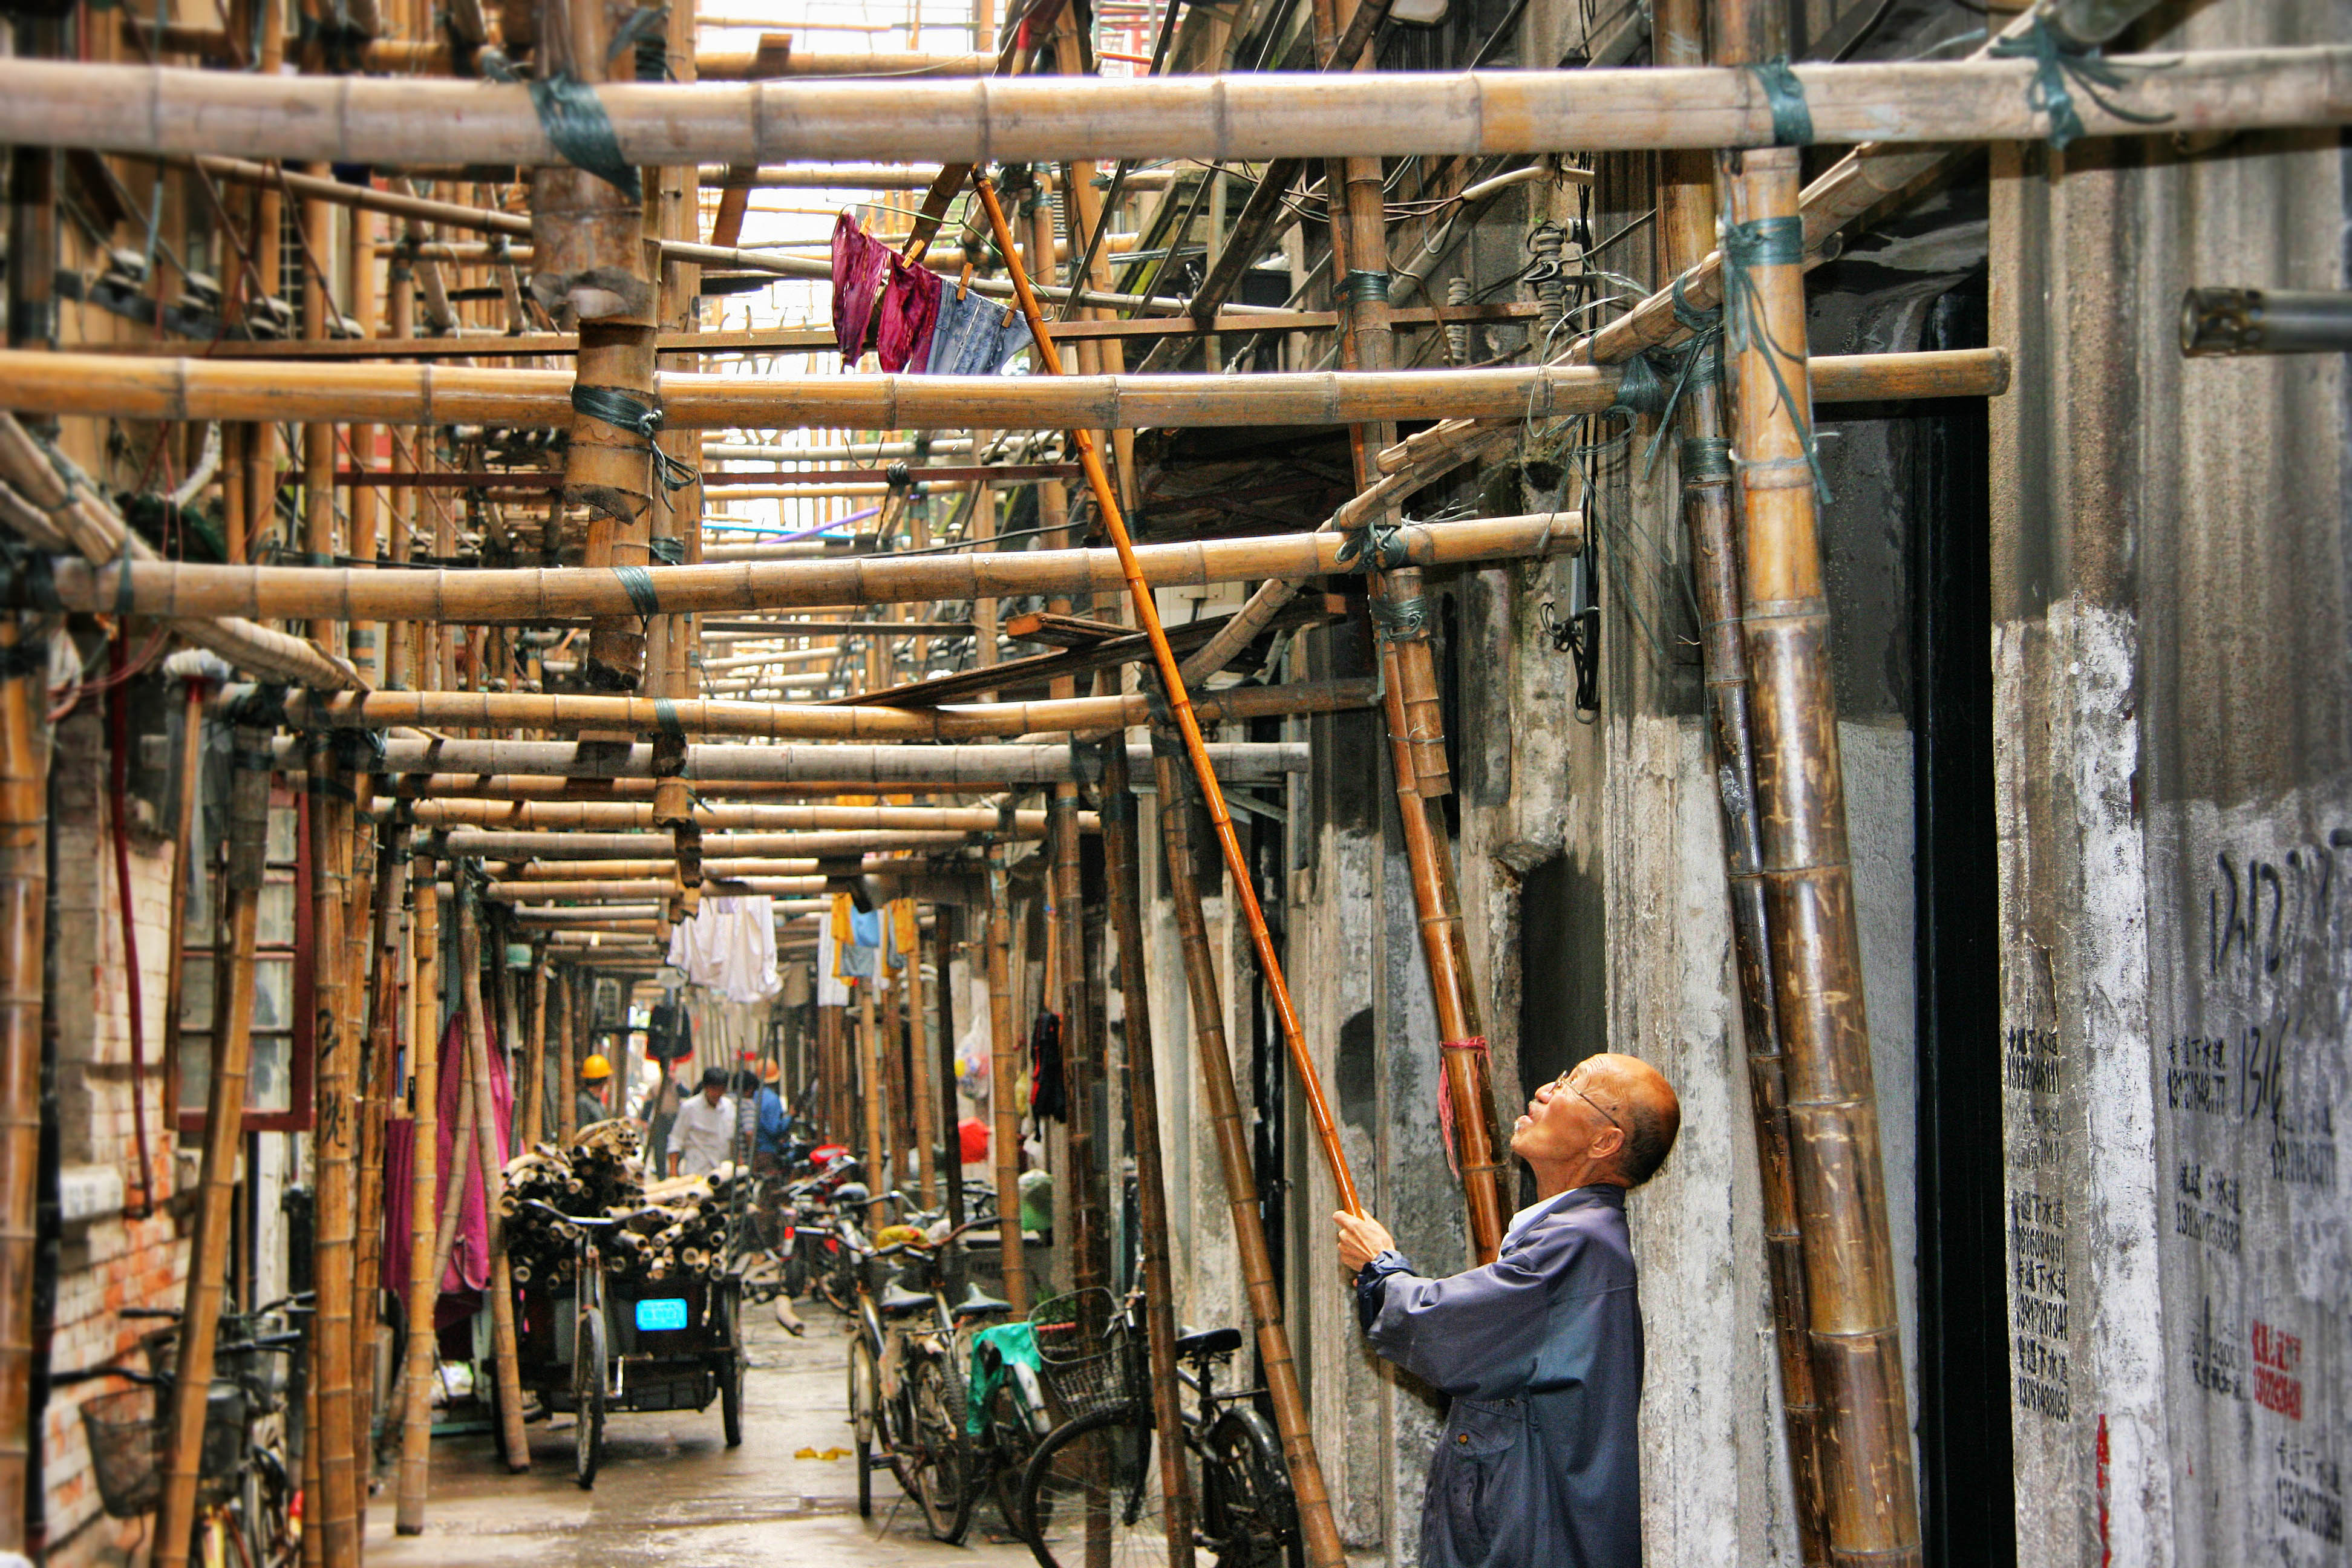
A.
pixel 671 1492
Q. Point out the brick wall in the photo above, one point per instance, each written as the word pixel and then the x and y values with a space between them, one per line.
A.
pixel 107 1261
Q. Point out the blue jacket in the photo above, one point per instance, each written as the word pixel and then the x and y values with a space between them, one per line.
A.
pixel 773 1125
pixel 1541 1352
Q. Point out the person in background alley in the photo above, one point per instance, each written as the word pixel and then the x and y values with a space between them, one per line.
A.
pixel 1541 1350
pixel 588 1106
pixel 775 1127
pixel 705 1128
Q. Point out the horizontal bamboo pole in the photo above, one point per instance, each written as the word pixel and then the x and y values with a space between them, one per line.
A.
pixel 576 817
pixel 747 868
pixel 468 843
pixel 114 386
pixel 1248 116
pixel 895 769
pixel 399 56
pixel 822 177
pixel 180 589
pixel 789 721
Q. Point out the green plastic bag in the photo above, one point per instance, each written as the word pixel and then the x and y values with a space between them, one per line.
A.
pixel 1014 1342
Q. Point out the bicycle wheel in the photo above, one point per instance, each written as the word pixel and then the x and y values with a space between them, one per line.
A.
pixel 864 1412
pixel 1247 1511
pixel 588 1398
pixel 1091 1496
pixel 935 1458
pixel 1012 1442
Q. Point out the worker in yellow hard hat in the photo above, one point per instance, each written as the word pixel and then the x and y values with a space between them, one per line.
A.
pixel 595 1074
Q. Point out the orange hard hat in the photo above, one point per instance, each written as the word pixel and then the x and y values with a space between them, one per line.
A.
pixel 595 1067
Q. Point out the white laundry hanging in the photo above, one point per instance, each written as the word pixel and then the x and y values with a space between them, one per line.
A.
pixel 730 946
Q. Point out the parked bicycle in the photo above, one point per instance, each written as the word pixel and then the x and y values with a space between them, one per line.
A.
pixel 1092 1493
pixel 248 1505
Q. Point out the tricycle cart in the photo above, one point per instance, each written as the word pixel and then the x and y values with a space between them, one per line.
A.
pixel 590 1344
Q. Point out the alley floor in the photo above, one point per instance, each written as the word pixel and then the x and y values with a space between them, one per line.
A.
pixel 672 1493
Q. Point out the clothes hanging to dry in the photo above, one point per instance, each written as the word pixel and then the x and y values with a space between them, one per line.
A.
pixel 859 261
pixel 1049 1096
pixel 730 946
pixel 469 1258
pixel 910 308
pixel 975 336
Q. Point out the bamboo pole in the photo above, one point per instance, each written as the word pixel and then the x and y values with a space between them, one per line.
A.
pixel 793 721
pixel 522 1073
pixel 1121 859
pixel 1275 1364
pixel 183 840
pixel 878 825
pixel 248 812
pixel 534 1123
pixel 1004 1078
pixel 1687 227
pixel 922 1087
pixel 180 589
pixel 424 1279
pixel 466 843
pixel 1865 1447
pixel 1231 119
pixel 513 1440
pixel 833 1069
pixel 1181 705
pixel 335 1151
pixel 529 767
pixel 382 1065
pixel 180 388
pixel 881 1173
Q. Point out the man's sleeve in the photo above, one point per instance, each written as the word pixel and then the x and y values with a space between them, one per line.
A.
pixel 1372 1284
pixel 1476 1333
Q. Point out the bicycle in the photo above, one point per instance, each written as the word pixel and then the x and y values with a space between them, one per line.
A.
pixel 1092 1493
pixel 249 1506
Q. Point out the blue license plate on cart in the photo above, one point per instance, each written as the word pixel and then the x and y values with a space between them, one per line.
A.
pixel 659 1316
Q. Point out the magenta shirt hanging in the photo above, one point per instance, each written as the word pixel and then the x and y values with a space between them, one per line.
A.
pixel 858 262
pixel 910 310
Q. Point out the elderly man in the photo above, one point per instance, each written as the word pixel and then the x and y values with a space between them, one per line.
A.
pixel 1541 1349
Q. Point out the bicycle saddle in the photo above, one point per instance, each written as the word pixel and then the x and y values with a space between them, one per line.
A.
pixel 1208 1342
pixel 898 1299
pixel 975 1305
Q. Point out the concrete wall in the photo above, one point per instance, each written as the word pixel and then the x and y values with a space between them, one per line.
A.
pixel 2170 593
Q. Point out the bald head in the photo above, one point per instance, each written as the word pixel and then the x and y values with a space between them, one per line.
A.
pixel 1645 1105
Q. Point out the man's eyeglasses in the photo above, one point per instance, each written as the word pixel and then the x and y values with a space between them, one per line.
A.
pixel 1562 1082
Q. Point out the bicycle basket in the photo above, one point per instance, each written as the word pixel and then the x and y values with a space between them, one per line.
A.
pixel 128 1440
pixel 1083 1359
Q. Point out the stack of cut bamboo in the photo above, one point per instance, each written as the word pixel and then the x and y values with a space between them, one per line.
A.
pixel 671 1231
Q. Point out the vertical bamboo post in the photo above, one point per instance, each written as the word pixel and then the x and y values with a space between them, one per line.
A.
pixel 248 832
pixel 512 1438
pixel 1121 857
pixel 423 1183
pixel 1321 1532
pixel 1866 1435
pixel 534 1119
pixel 367 642
pixel 919 1063
pixel 832 1071
pixel 1415 720
pixel 1004 1084
pixel 375 1106
pixel 1090 1244
pixel 879 1173
pixel 183 841
pixel 943 926
pixel 589 262
pixel 23 914
pixel 317 221
pixel 1188 726
pixel 522 1068
pixel 335 1077
pixel 1687 225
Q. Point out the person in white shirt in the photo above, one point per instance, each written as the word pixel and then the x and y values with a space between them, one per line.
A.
pixel 704 1129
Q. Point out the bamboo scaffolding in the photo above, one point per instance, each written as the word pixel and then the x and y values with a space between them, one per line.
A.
pixel 512 1440
pixel 424 1281
pixel 881 1174
pixel 1865 1442
pixel 1003 1075
pixel 183 840
pixel 795 721
pixel 125 387
pixel 381 1061
pixel 614 817
pixel 1231 119
pixel 468 843
pixel 1121 859
pixel 1688 229
pixel 1321 1533
pixel 1227 1126
pixel 567 1058
pixel 180 589
pixel 648 888
pixel 832 1071
pixel 82 521
pixel 921 1088
pixel 335 1151
pixel 208 1259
